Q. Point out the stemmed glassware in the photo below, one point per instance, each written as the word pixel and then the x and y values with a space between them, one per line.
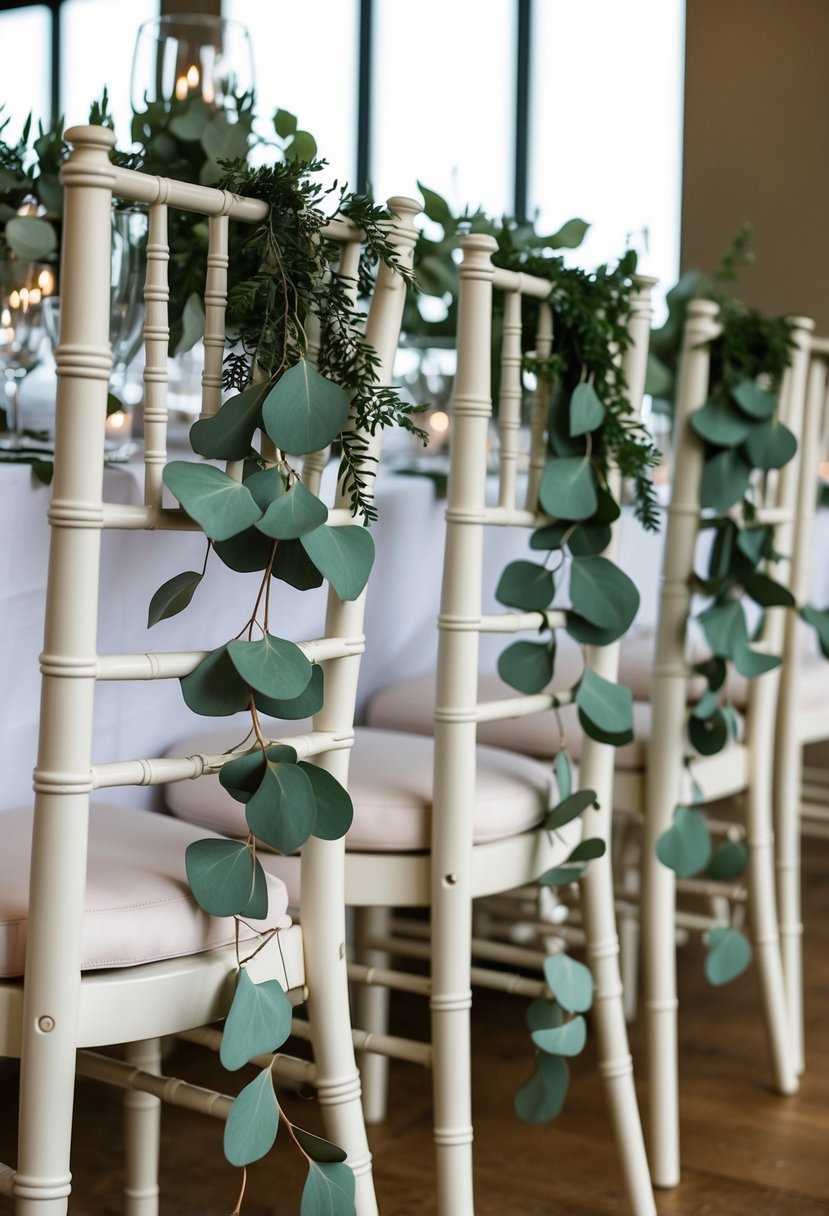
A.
pixel 183 55
pixel 23 288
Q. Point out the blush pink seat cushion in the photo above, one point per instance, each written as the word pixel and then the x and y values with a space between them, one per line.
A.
pixel 409 706
pixel 139 908
pixel 390 782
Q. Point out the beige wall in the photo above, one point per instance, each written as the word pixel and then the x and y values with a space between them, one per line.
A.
pixel 757 146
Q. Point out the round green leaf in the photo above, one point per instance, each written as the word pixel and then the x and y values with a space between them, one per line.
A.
pixel 719 423
pixel 724 626
pixel 335 810
pixel 818 618
pixel 249 550
pixel 770 445
pixel 727 861
pixel 568 488
pixel 525 585
pixel 253 1121
pixel 284 123
pixel 173 596
pixel 283 809
pixel 559 876
pixel 228 435
pixel 725 479
pixel 685 847
pixel 729 953
pixel 304 411
pixel 271 665
pixel 565 1040
pixel 293 566
pixel 294 513
pixel 586 632
pixel 259 1020
pixel 603 594
pixel 564 774
pixel 526 666
pixel 588 850
pixel 541 1099
pixel 214 688
pixel 329 1190
pixel 265 485
pixel 543 1013
pixel 242 775
pixel 30 237
pixel 589 539
pixel 221 875
pixel 308 702
pixel 343 555
pixel 755 401
pixel 190 119
pixel 708 735
pixel 569 235
pixel 766 591
pixel 751 663
pixel 586 410
pixel 605 705
pixel 220 505
pixel 570 981
pixel 192 324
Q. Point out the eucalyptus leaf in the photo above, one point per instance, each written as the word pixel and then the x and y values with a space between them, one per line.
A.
pixel 589 539
pixel 173 596
pixel 304 411
pixel 526 666
pixel 766 591
pixel 570 808
pixel 771 445
pixel 228 435
pixel 565 1040
pixel 317 1148
pixel 294 513
pixel 728 861
pixel 253 1121
pixel 293 566
pixel 568 488
pixel 308 703
pixel 586 410
pixel 724 626
pixel 265 485
pixel 606 706
pixel 544 1013
pixel 215 688
pixel 751 663
pixel 719 423
pixel 283 809
pixel 569 235
pixel 192 324
pixel 588 850
pixel 334 808
pixel 603 594
pixel 259 1021
pixel 685 847
pixel 559 876
pixel 219 504
pixel 223 140
pixel 755 401
pixel 271 665
pixel 221 875
pixel 570 981
pixel 729 954
pixel 32 239
pixel 329 1190
pixel 818 618
pixel 541 1099
pixel 525 585
pixel 303 147
pixel 564 774
pixel 344 555
pixel 247 551
pixel 725 479
pixel 708 735
pixel 586 632
pixel 284 123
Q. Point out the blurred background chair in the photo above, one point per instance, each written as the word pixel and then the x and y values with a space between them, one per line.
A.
pixel 105 944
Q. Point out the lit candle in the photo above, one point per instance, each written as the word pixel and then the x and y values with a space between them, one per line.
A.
pixel 119 426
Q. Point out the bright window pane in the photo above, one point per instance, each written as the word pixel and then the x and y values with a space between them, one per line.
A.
pixel 305 60
pixel 444 101
pixel 24 80
pixel 87 26
pixel 606 133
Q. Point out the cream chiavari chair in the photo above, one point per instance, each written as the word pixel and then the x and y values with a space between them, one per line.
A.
pixel 441 822
pixel 106 945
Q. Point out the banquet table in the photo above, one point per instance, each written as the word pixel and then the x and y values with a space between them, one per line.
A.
pixel 144 719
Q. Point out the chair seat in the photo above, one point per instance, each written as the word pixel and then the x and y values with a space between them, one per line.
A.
pixel 409 706
pixel 139 908
pixel 390 782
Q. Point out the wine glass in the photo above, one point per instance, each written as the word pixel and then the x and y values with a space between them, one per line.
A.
pixel 183 55
pixel 23 288
pixel 127 272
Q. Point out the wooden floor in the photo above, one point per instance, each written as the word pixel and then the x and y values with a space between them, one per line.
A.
pixel 747 1151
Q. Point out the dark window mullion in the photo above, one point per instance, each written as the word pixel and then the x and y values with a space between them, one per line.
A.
pixel 522 106
pixel 364 91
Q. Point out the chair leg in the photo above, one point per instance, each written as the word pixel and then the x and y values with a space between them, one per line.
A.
pixel 142 1134
pixel 787 793
pixel 371 1011
pixel 660 1010
pixel 766 940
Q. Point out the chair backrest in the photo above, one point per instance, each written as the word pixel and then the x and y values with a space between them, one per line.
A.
pixel 67 771
pixel 525 316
